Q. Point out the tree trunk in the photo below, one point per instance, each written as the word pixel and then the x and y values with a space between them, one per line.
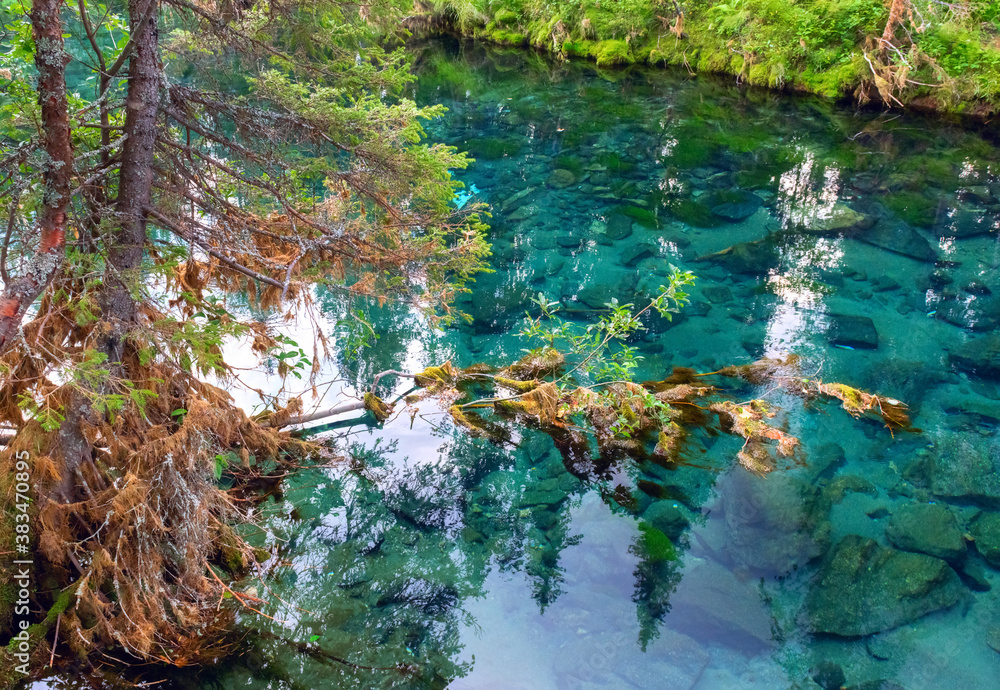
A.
pixel 50 59
pixel 125 248
pixel 125 242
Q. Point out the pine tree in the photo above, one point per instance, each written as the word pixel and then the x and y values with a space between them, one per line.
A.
pixel 156 164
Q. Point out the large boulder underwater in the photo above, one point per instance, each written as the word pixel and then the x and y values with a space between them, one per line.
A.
pixel 864 588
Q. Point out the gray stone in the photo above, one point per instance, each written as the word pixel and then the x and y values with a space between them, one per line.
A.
pixel 733 205
pixel 966 222
pixel 667 518
pixel 863 588
pixel 973 574
pixel 927 528
pixel 619 226
pixel 560 179
pixel 772 525
pixel 839 219
pixel 980 356
pixel 753 258
pixel 717 294
pixel 899 238
pixel 829 675
pixel 853 331
pixel 714 606
pixel 964 468
pixel 569 241
pixel 986 532
pixel 637 252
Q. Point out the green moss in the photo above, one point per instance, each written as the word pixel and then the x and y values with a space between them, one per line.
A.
pixel 614 163
pixel 505 37
pixel 612 52
pixel 912 207
pixel 579 49
pixel 816 46
pixel 571 163
pixel 642 215
pixel 693 213
pixel 937 171
pixel 656 546
pixel 692 151
pixel 519 386
pixel 506 16
pixel 490 148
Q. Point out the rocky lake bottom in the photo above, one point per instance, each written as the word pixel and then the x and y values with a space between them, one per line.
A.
pixel 868 244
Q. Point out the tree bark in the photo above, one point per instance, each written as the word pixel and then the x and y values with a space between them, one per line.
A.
pixel 50 59
pixel 125 246
pixel 126 240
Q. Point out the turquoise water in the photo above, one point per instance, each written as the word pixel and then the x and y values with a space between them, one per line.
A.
pixel 866 243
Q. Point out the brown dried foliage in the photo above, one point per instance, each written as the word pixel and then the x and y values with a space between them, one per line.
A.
pixel 143 521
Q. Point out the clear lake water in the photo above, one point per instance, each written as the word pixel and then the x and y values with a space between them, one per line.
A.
pixel 867 243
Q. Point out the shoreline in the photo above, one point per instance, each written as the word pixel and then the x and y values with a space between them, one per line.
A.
pixel 700 53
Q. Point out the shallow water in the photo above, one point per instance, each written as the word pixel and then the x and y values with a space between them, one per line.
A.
pixel 436 560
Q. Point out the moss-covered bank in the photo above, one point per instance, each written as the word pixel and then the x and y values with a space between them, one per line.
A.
pixel 938 56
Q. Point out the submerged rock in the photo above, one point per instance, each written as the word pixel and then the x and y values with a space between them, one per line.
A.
pixel 973 574
pixel 717 294
pixel 906 380
pixel 829 676
pixel 569 241
pixel 879 684
pixel 753 258
pixel 993 639
pixel 715 607
pixel 547 492
pixel 772 524
pixel 733 205
pixel 971 313
pixel 986 532
pixel 523 213
pixel 840 218
pixel 927 528
pixel 863 588
pixel 637 252
pixel 853 331
pixel 496 304
pixel 664 516
pixel 560 179
pixel 963 468
pixel 518 199
pixel 844 484
pixel 899 238
pixel 596 296
pixel 980 356
pixel 619 226
pixel 966 222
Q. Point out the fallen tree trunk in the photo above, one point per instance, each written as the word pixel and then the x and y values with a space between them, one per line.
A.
pixel 341 408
